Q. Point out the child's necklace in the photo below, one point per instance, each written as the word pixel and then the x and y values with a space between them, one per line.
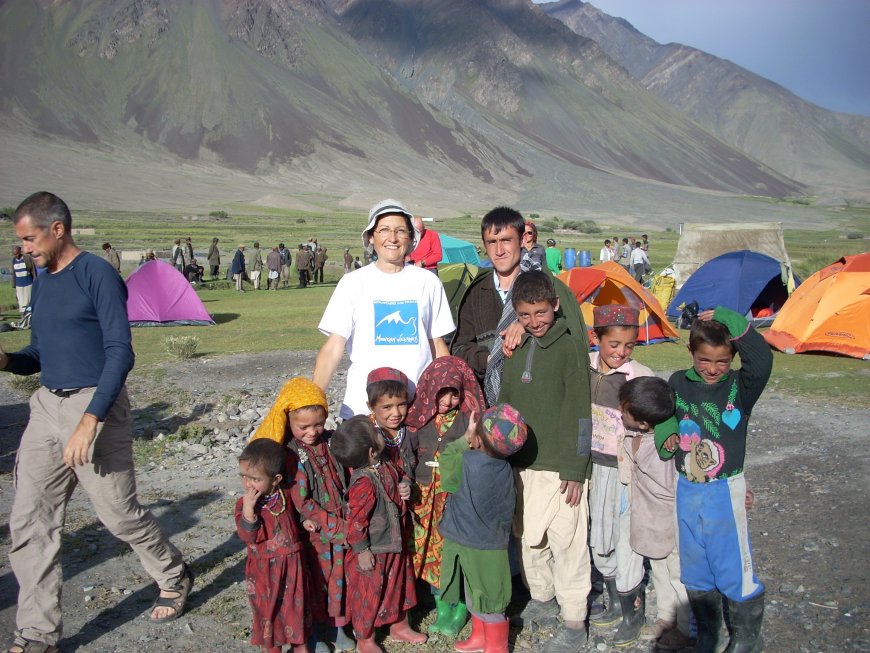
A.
pixel 393 441
pixel 272 501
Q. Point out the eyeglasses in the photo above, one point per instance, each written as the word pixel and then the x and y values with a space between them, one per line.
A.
pixel 385 232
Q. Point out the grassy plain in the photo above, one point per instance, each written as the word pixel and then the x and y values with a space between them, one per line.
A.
pixel 287 319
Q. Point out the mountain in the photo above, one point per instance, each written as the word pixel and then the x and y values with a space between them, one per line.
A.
pixel 450 98
pixel 821 148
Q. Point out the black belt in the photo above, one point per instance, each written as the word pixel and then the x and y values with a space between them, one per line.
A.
pixel 64 393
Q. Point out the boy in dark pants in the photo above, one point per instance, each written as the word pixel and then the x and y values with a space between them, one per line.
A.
pixel 707 437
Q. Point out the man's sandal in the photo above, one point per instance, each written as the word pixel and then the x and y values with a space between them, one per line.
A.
pixel 178 602
pixel 21 645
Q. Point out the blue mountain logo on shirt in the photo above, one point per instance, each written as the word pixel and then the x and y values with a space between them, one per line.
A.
pixel 396 323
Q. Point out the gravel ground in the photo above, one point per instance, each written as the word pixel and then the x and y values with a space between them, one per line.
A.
pixel 807 464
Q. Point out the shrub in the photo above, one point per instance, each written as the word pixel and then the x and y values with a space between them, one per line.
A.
pixel 223 215
pixel 854 235
pixel 300 220
pixel 534 216
pixel 182 347
pixel 589 227
pixel 25 384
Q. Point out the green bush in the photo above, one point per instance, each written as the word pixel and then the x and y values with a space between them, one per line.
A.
pixel 300 220
pixel 182 347
pixel 223 215
pixel 854 235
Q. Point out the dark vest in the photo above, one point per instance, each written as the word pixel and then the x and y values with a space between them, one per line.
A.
pixel 385 526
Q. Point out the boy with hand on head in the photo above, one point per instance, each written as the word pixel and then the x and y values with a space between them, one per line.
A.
pixel 547 381
pixel 645 402
pixel 615 331
pixel 317 486
pixel 707 438
pixel 477 524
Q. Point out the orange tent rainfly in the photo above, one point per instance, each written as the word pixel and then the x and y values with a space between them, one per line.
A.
pixel 829 312
pixel 609 283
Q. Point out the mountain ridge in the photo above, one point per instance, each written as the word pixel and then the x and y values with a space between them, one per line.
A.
pixel 815 146
pixel 445 98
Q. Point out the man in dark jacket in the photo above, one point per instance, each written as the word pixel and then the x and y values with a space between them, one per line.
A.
pixel 237 268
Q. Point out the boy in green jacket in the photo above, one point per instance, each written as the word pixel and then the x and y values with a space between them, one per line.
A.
pixel 546 380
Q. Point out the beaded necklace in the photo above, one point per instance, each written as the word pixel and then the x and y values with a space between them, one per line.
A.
pixel 389 440
pixel 272 500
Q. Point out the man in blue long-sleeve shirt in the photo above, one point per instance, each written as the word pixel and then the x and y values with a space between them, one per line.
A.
pixel 80 428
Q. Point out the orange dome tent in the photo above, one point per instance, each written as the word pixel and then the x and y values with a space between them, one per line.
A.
pixel 830 311
pixel 609 283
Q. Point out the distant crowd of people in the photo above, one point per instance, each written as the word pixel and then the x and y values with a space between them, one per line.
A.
pixel 631 255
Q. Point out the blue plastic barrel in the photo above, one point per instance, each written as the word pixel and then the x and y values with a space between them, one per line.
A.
pixel 570 258
pixel 585 259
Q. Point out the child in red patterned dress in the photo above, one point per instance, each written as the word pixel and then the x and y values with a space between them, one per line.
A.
pixel 447 394
pixel 275 577
pixel 380 578
pixel 297 419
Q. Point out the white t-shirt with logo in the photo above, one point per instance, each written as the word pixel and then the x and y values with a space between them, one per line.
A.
pixel 388 320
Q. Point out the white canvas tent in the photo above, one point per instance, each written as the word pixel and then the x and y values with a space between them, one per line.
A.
pixel 701 242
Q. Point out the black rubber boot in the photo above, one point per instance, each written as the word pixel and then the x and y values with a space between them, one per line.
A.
pixel 744 621
pixel 707 608
pixel 632 616
pixel 613 613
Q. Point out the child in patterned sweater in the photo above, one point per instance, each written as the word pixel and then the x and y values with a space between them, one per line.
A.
pixel 707 438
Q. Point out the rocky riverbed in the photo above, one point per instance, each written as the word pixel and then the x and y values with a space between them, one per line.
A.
pixel 807 464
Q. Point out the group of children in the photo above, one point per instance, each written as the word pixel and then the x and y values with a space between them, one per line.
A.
pixel 339 526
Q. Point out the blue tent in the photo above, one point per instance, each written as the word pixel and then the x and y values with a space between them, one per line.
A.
pixel 744 281
pixel 457 251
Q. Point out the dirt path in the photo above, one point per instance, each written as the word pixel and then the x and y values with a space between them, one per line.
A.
pixel 808 465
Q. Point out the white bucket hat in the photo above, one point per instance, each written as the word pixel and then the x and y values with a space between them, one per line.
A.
pixel 388 207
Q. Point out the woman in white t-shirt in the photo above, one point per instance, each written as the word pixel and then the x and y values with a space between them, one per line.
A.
pixel 385 314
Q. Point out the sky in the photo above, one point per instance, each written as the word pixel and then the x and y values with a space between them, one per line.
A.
pixel 817 49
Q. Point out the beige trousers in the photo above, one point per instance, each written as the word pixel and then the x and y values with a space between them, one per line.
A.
pixel 255 279
pixel 672 602
pixel 554 556
pixel 22 293
pixel 43 487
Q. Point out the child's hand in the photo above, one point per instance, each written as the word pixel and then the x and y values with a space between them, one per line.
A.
pixel 573 491
pixel 706 316
pixel 366 560
pixel 512 337
pixel 671 443
pixel 310 526
pixel 749 500
pixel 249 502
pixel 472 427
pixel 405 490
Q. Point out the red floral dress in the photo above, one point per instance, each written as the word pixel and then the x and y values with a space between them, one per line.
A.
pixel 275 577
pixel 318 495
pixel 380 596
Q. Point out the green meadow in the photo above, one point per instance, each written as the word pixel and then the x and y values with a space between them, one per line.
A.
pixel 287 319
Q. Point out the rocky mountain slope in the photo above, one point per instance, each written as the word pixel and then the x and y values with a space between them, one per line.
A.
pixel 817 147
pixel 491 97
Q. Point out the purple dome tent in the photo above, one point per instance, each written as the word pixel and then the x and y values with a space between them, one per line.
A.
pixel 159 295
